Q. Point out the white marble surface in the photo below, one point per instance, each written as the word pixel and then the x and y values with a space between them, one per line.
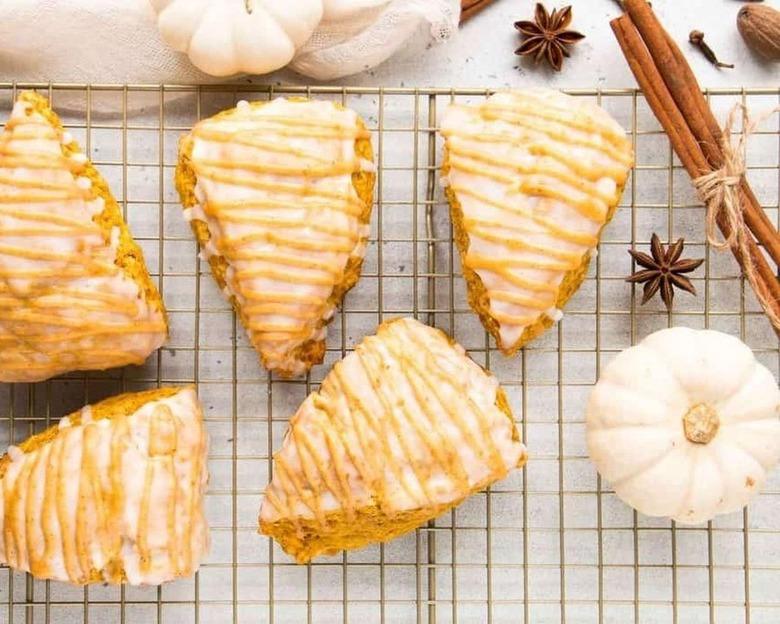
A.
pixel 482 53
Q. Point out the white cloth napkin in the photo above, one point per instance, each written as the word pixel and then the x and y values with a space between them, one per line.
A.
pixel 88 41
pixel 110 41
pixel 357 35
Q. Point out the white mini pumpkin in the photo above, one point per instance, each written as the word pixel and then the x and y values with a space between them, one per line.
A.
pixel 226 37
pixel 685 424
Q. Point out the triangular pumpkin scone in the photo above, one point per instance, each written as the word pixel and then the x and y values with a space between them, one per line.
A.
pixel 74 290
pixel 114 493
pixel 401 430
pixel 531 177
pixel 279 195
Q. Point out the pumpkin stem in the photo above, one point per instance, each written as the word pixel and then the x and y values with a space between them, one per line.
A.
pixel 701 423
pixel 249 5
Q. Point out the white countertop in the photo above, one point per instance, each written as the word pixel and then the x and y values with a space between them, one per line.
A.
pixel 124 47
pixel 482 54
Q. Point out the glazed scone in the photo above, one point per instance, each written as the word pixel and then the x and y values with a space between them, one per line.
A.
pixel 531 177
pixel 74 290
pixel 113 493
pixel 401 430
pixel 279 195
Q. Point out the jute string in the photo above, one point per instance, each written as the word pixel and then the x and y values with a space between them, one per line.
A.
pixel 719 190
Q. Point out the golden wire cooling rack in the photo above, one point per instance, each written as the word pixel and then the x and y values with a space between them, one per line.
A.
pixel 549 544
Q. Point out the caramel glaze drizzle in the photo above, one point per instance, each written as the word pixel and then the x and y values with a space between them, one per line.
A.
pixel 42 322
pixel 279 252
pixel 395 418
pixel 69 500
pixel 530 272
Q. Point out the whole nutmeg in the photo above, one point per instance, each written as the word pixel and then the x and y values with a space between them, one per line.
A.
pixel 759 26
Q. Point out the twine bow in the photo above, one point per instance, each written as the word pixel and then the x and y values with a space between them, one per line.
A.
pixel 719 190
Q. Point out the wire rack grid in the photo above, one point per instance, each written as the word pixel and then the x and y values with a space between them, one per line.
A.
pixel 550 543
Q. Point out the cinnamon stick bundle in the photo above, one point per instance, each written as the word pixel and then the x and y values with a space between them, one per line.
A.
pixel 675 97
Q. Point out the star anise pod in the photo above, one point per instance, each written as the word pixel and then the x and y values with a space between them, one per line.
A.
pixel 663 270
pixel 547 37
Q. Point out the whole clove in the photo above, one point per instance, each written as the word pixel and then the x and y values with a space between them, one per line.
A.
pixel 697 38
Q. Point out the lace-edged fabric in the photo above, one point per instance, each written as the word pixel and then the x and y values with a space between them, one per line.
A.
pixel 371 34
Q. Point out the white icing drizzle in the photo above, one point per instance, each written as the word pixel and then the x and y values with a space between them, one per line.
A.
pixel 64 304
pixel 556 314
pixel 15 453
pixel 536 173
pixel 20 108
pixel 274 185
pixel 86 414
pixel 146 515
pixel 407 421
pixel 367 165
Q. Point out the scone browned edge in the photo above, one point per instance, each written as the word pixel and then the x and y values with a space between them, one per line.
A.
pixel 113 407
pixel 476 291
pixel 129 257
pixel 312 351
pixel 303 539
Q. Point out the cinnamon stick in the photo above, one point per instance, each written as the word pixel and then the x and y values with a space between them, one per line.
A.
pixel 469 8
pixel 659 99
pixel 686 92
pixel 685 144
pixel 755 217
